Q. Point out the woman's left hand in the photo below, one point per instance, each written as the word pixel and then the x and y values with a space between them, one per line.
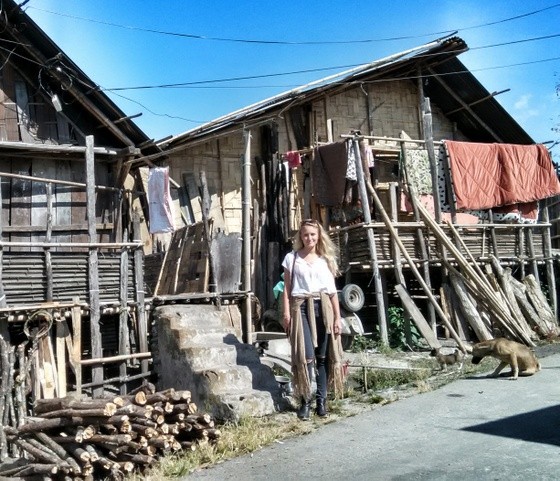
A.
pixel 337 326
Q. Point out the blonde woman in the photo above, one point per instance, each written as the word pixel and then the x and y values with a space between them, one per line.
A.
pixel 311 316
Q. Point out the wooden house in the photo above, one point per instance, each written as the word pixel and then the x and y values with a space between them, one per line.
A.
pixel 71 248
pixel 421 97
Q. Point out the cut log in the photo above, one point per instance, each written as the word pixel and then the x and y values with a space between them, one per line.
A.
pixel 539 300
pixel 417 317
pixel 469 309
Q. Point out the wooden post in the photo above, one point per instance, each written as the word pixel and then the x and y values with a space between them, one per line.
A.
pixel 124 339
pixel 394 248
pixel 429 139
pixel 531 249
pixel 4 332
pixel 550 276
pixel 205 210
pixel 77 343
pixel 93 271
pixel 493 234
pixel 140 293
pixel 423 247
pixel 381 314
pixel 521 251
pixel 48 238
pixel 61 333
pixel 415 271
pixel 246 227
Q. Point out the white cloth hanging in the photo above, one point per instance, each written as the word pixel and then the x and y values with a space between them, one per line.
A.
pixel 159 201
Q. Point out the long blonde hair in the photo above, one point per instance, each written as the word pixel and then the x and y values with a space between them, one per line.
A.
pixel 325 246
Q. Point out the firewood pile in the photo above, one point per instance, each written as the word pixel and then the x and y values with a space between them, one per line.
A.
pixel 106 438
pixel 490 299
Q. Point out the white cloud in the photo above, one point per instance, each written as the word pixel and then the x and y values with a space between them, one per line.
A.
pixel 523 102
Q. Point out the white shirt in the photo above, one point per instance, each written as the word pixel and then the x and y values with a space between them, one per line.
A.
pixel 309 278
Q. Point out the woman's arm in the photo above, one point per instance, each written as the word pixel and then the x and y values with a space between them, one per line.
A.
pixel 337 324
pixel 286 315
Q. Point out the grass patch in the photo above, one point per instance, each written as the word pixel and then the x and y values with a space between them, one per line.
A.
pixel 244 437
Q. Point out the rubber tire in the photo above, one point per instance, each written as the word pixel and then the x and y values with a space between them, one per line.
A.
pixel 352 297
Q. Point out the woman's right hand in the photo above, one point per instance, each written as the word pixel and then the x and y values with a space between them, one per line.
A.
pixel 287 323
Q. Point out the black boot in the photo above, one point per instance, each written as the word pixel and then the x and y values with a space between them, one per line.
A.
pixel 304 410
pixel 321 408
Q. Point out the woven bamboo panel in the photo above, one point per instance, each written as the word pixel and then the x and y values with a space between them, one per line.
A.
pixel 354 249
pixel 25 280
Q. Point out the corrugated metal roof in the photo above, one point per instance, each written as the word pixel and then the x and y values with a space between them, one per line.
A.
pixel 451 86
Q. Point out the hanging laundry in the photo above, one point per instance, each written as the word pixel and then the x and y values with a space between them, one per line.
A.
pixel 351 173
pixel 159 201
pixel 491 175
pixel 294 158
pixel 328 173
pixel 417 168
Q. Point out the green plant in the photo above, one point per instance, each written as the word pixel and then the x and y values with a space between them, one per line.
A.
pixel 378 379
pixel 362 343
pixel 402 332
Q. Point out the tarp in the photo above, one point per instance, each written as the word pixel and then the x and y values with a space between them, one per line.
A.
pixel 490 175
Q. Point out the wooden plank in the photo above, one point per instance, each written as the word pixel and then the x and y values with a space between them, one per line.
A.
pixel 141 315
pixel 21 202
pixel 226 265
pixel 417 317
pixel 63 200
pixel 77 343
pixel 93 271
pixel 78 204
pixel 22 109
pixel 12 129
pixel 61 334
pixel 124 334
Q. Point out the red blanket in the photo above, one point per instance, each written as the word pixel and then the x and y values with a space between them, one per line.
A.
pixel 492 175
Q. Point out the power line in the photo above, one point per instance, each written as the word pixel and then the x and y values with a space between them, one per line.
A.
pixel 282 42
pixel 296 72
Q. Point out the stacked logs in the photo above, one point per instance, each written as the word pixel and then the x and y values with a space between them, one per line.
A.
pixel 86 439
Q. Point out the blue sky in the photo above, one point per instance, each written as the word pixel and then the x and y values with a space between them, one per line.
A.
pixel 117 57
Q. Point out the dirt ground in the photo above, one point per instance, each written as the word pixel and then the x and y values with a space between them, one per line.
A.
pixel 432 376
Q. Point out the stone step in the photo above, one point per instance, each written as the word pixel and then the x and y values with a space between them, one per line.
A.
pixel 207 336
pixel 205 357
pixel 252 403
pixel 234 379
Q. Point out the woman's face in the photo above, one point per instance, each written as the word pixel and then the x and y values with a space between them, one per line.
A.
pixel 309 235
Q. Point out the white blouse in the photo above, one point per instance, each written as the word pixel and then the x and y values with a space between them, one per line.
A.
pixel 309 278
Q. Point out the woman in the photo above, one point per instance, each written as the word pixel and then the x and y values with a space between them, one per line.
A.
pixel 311 316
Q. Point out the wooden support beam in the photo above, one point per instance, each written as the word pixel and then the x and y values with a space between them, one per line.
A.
pixel 378 285
pixel 76 353
pixel 93 271
pixel 550 275
pixel 141 317
pixel 465 106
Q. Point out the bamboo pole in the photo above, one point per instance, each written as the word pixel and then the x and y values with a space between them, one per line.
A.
pixel 476 283
pixel 381 318
pixel 423 247
pixel 246 227
pixel 550 276
pixel 416 272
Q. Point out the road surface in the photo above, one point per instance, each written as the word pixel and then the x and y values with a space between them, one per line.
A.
pixel 471 429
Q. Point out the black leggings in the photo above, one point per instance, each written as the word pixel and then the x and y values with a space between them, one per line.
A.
pixel 319 353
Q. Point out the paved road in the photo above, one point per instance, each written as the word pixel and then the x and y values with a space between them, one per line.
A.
pixel 471 429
